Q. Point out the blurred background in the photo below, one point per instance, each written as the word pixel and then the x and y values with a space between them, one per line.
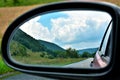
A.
pixel 10 10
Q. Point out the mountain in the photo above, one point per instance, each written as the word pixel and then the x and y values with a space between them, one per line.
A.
pixel 28 41
pixel 90 50
pixel 51 46
pixel 33 44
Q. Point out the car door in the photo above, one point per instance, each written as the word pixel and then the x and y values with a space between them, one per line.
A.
pixel 102 56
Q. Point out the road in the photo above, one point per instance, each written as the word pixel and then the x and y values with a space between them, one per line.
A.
pixel 81 64
pixel 23 76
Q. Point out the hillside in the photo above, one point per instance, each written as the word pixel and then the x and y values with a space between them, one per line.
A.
pixel 28 41
pixel 35 45
pixel 89 50
pixel 51 46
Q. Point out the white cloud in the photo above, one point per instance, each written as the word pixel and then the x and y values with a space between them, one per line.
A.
pixel 78 24
pixel 78 30
pixel 66 29
pixel 82 45
pixel 36 30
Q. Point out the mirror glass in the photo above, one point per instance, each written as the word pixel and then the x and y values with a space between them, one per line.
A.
pixel 65 39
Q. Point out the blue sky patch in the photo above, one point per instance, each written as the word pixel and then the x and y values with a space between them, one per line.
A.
pixel 45 19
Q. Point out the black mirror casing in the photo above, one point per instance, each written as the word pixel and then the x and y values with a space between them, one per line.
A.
pixel 108 72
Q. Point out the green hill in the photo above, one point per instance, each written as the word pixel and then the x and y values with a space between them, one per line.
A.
pixel 28 41
pixel 89 50
pixel 33 44
pixel 51 46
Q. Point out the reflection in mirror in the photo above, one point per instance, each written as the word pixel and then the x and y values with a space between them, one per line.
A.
pixel 64 39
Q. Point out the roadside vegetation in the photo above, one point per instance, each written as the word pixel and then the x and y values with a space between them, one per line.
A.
pixel 4 68
pixel 22 54
pixel 11 3
pixel 26 49
pixel 37 58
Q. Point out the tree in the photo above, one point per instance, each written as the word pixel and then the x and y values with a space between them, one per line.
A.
pixel 86 55
pixel 72 53
pixel 93 54
pixel 5 1
pixel 46 55
pixel 15 1
pixel 60 54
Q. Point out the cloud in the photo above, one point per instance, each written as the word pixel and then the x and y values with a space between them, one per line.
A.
pixel 82 45
pixel 77 29
pixel 37 30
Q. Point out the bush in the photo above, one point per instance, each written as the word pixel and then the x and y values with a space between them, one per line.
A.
pixel 86 55
pixel 46 55
pixel 17 49
pixel 72 53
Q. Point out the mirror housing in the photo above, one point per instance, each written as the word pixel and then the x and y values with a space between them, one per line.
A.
pixel 66 73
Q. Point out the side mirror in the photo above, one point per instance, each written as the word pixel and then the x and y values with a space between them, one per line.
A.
pixel 61 40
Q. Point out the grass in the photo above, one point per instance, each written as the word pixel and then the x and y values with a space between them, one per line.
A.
pixel 47 61
pixel 4 68
pixel 35 59
pixel 10 3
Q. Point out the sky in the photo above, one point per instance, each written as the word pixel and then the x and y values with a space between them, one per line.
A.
pixel 75 29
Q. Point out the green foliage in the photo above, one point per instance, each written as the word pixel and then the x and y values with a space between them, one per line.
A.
pixel 6 3
pixel 93 54
pixel 36 45
pixel 4 68
pixel 35 58
pixel 46 55
pixel 15 2
pixel 72 53
pixel 28 41
pixel 86 55
pixel 17 49
pixel 61 54
pixel 51 46
pixel 69 53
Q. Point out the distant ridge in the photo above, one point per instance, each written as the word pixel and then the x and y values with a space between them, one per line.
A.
pixel 51 46
pixel 90 50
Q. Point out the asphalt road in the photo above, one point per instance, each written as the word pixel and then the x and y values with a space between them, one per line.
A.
pixel 23 76
pixel 81 64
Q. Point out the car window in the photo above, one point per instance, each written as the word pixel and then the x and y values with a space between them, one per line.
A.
pixel 105 41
